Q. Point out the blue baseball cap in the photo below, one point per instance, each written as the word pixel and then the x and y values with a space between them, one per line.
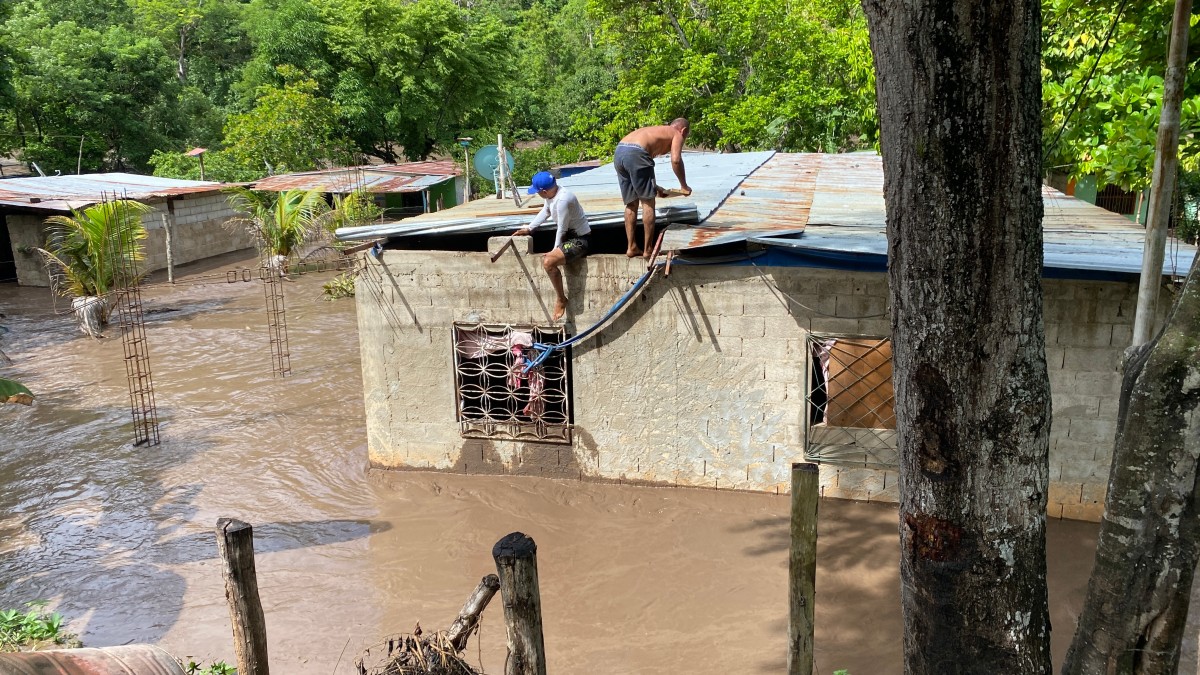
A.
pixel 542 180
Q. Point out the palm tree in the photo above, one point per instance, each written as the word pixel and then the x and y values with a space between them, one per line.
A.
pixel 282 223
pixel 87 251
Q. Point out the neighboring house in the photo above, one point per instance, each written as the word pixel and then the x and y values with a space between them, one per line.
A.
pixel 1133 205
pixel 766 344
pixel 195 210
pixel 401 190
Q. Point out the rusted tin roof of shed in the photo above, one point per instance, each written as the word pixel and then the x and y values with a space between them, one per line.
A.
pixel 62 193
pixel 344 181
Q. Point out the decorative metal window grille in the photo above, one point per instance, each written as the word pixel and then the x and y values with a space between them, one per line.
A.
pixel 851 416
pixel 496 398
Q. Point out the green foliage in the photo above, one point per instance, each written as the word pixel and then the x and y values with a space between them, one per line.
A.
pixel 532 160
pixel 280 222
pixel 14 392
pixel 1187 216
pixel 749 75
pixel 214 668
pixel 341 286
pixel 411 74
pixel 1102 90
pixel 91 246
pixel 19 629
pixel 290 128
pixel 219 165
pixel 107 84
pixel 353 210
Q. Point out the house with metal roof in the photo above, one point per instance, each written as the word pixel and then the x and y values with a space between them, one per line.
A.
pixel 401 190
pixel 187 215
pixel 760 337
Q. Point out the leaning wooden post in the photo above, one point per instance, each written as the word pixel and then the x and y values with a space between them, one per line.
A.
pixel 802 568
pixel 516 563
pixel 468 618
pixel 235 542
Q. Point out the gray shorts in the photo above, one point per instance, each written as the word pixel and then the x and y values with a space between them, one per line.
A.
pixel 635 173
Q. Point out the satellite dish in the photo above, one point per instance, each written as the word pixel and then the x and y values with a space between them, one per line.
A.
pixel 487 159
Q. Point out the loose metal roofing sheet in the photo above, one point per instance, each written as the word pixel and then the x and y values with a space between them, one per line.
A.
pixel 712 176
pixel 62 193
pixel 343 181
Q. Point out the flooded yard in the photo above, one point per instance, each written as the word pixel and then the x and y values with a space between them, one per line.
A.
pixel 120 538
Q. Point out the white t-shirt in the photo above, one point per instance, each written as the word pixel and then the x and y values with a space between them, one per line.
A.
pixel 566 212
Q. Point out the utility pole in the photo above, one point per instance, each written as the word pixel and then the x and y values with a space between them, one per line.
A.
pixel 1162 186
pixel 466 146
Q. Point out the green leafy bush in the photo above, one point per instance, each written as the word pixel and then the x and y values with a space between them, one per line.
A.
pixel 21 630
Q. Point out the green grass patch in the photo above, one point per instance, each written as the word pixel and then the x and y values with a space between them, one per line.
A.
pixel 33 629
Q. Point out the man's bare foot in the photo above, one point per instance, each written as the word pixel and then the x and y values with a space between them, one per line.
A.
pixel 646 256
pixel 560 308
pixel 633 252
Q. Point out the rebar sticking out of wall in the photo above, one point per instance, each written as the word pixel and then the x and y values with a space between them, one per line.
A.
pixel 281 360
pixel 127 298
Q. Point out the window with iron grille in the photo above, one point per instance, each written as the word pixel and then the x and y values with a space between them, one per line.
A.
pixel 497 397
pixel 851 415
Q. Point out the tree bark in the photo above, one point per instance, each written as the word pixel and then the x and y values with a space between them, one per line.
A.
pixel 959 96
pixel 1137 600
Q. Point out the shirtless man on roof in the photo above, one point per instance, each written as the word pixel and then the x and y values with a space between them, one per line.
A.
pixel 634 162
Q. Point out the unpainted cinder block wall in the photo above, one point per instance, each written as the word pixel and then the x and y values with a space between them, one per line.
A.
pixel 197 232
pixel 700 381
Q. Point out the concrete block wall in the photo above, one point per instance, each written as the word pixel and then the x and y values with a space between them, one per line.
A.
pixel 700 381
pixel 198 232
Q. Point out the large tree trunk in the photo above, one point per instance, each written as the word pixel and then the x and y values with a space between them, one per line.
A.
pixel 959 93
pixel 1137 599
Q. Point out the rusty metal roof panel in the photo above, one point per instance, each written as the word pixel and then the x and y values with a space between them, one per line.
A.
pixel 61 193
pixel 773 200
pixel 441 167
pixel 343 181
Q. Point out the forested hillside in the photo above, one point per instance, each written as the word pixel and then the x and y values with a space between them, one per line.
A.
pixel 275 85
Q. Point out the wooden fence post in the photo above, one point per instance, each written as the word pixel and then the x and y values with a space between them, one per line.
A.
pixel 802 568
pixel 166 220
pixel 516 564
pixel 235 543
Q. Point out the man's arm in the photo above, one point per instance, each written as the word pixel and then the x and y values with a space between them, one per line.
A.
pixel 540 218
pixel 677 162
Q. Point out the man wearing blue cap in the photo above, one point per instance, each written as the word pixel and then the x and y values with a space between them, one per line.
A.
pixel 571 237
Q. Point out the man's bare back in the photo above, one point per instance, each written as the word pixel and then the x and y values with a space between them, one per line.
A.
pixel 655 140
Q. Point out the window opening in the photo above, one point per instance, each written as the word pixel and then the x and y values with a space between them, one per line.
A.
pixel 497 398
pixel 850 401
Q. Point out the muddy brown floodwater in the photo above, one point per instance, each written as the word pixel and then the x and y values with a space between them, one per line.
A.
pixel 633 579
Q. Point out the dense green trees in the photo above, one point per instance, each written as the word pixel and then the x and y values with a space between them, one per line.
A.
pixel 303 83
pixel 1102 68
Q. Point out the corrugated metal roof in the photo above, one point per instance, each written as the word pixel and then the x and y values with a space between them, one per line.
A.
pixel 712 176
pixel 343 181
pixel 62 193
pixel 825 205
pixel 774 200
pixel 848 218
pixel 439 167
